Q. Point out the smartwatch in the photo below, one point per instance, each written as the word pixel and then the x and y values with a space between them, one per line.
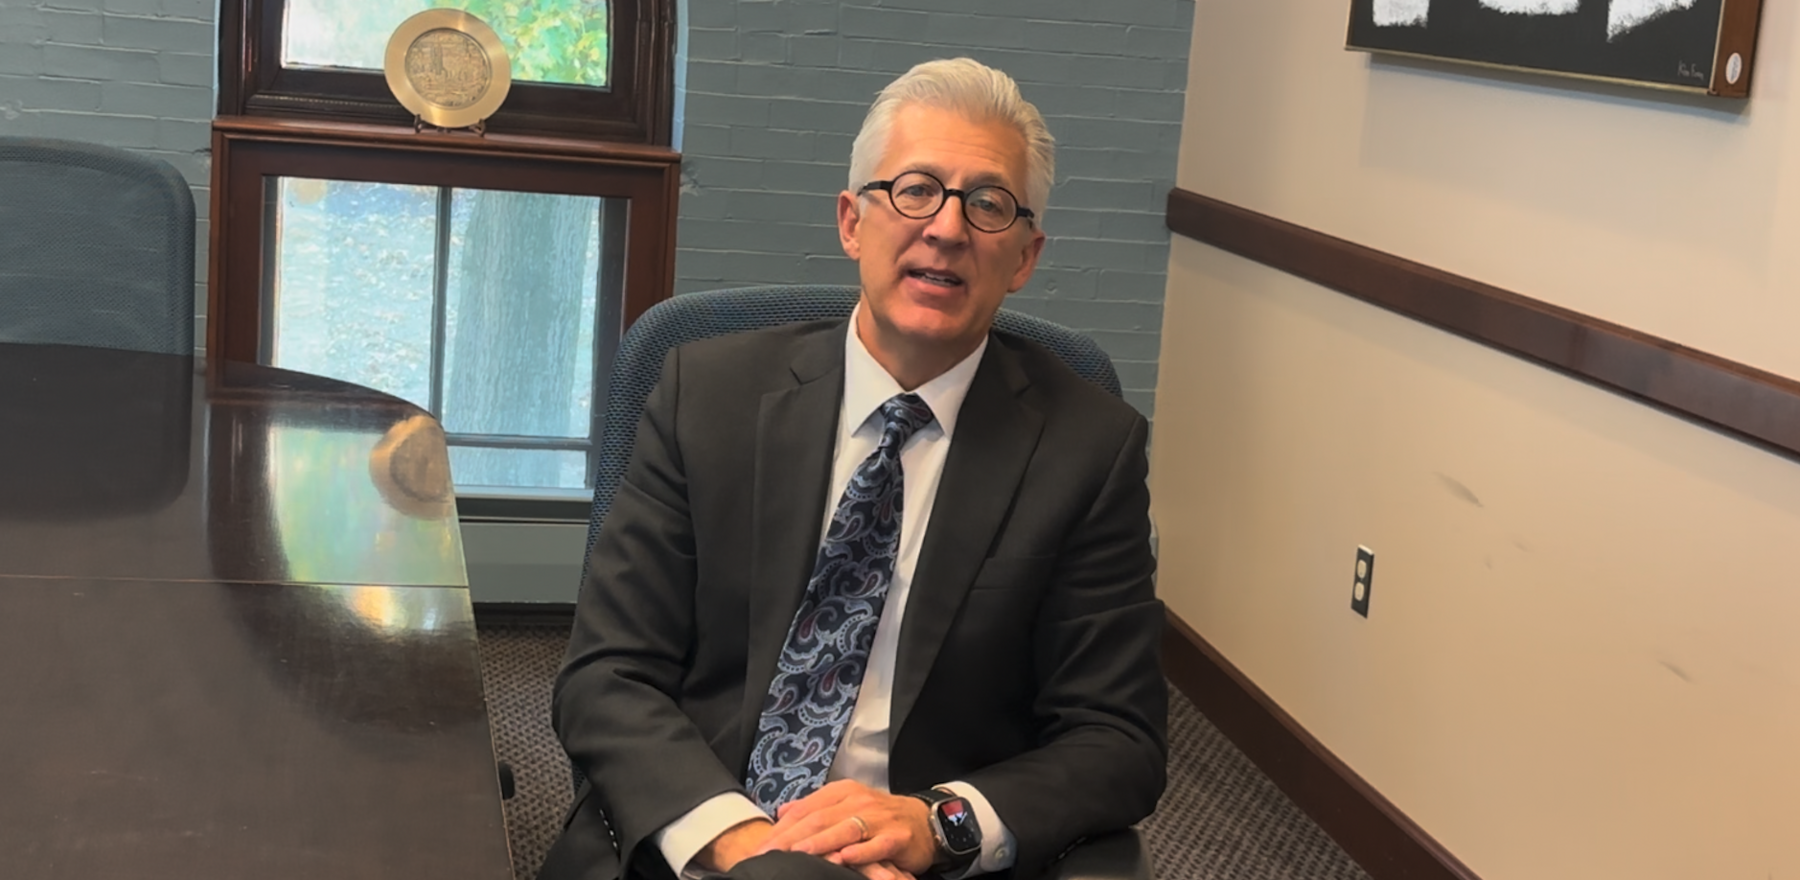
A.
pixel 955 827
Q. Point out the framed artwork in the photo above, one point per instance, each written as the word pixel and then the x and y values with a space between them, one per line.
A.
pixel 1701 46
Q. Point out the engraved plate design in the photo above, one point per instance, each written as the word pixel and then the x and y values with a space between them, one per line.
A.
pixel 448 68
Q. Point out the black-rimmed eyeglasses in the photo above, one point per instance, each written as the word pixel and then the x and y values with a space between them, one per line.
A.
pixel 920 196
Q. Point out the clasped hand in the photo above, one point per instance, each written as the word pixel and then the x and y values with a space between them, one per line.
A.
pixel 897 843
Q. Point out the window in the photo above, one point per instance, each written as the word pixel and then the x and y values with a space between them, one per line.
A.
pixel 489 309
pixel 488 278
pixel 487 286
pixel 581 68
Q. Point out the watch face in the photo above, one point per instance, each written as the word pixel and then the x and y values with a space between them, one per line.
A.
pixel 962 833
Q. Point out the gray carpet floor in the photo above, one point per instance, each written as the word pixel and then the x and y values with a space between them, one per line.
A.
pixel 1220 819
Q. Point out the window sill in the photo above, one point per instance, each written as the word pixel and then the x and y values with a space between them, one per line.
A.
pixel 319 132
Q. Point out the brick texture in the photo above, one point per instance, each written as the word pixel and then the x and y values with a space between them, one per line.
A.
pixel 775 91
pixel 134 74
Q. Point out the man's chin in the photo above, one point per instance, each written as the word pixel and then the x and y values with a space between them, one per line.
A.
pixel 934 334
pixel 928 325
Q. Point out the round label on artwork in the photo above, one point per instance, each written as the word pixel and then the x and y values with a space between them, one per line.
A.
pixel 1734 68
pixel 448 68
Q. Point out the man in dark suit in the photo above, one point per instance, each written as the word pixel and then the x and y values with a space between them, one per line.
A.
pixel 875 596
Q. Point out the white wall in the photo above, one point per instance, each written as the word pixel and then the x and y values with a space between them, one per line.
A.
pixel 1583 653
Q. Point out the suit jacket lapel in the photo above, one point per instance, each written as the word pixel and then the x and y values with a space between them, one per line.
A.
pixel 796 430
pixel 995 436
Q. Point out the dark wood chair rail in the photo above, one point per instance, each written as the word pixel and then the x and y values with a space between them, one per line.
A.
pixel 1753 404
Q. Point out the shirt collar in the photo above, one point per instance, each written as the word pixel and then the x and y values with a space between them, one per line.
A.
pixel 867 385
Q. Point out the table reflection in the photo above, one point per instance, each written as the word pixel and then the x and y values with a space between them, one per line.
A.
pixel 395 658
pixel 129 464
pixel 355 507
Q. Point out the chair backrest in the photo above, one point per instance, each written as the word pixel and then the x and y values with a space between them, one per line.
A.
pixel 695 316
pixel 96 248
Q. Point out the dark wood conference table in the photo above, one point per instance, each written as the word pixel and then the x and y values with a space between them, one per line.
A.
pixel 235 631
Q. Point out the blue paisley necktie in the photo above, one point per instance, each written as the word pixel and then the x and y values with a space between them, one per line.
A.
pixel 821 667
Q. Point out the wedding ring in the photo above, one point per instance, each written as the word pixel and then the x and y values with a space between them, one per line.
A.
pixel 862 828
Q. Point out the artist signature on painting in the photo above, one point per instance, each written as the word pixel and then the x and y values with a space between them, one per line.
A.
pixel 1690 71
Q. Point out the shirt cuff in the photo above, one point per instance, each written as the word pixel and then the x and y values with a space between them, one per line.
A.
pixel 685 837
pixel 998 849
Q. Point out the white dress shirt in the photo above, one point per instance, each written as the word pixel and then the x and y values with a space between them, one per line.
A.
pixel 862 755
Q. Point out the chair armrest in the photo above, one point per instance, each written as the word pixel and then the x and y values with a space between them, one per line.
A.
pixel 1121 855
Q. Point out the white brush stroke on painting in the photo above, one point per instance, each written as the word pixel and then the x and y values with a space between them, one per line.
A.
pixel 1401 13
pixel 1623 15
pixel 1533 7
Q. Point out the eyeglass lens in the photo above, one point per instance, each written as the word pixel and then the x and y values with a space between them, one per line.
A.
pixel 919 195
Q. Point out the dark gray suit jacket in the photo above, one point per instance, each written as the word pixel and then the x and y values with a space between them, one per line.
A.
pixel 1027 662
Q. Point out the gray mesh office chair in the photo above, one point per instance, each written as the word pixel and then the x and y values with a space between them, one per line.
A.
pixel 96 248
pixel 695 316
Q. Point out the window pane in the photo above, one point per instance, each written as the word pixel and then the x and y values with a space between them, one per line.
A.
pixel 554 41
pixel 517 468
pixel 353 283
pixel 500 338
pixel 519 341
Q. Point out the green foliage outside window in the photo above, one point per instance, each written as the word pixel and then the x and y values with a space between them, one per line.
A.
pixel 550 41
pixel 557 41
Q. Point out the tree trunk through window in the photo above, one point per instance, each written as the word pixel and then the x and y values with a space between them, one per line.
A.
pixel 512 358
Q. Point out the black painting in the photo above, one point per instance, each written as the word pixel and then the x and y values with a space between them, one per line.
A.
pixel 1677 48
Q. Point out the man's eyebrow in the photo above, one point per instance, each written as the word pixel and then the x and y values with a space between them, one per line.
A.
pixel 982 178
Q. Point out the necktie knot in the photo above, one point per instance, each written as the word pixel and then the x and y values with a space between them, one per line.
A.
pixel 902 415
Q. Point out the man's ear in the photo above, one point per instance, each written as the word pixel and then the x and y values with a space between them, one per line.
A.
pixel 1028 258
pixel 848 218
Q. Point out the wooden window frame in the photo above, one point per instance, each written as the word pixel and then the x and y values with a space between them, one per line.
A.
pixel 635 107
pixel 559 139
pixel 248 151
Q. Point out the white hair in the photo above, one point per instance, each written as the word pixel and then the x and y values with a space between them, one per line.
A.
pixel 975 90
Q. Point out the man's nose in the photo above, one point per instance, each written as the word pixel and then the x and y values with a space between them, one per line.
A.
pixel 949 224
